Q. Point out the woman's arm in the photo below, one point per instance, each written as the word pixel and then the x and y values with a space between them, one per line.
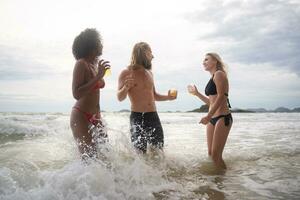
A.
pixel 80 89
pixel 203 98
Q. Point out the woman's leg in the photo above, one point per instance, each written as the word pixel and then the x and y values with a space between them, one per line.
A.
pixel 79 126
pixel 209 136
pixel 219 140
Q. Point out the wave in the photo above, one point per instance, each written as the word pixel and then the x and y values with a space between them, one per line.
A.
pixel 18 126
pixel 123 175
pixel 261 157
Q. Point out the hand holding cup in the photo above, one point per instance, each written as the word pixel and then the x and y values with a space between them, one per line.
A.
pixel 129 82
pixel 103 66
pixel 192 89
pixel 172 93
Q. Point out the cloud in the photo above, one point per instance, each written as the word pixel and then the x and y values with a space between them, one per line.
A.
pixel 16 64
pixel 260 31
pixel 16 97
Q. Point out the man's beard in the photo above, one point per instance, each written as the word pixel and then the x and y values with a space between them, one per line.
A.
pixel 148 65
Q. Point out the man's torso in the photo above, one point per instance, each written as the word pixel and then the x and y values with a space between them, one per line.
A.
pixel 142 94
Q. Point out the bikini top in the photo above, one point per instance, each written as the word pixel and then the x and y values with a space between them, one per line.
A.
pixel 211 89
pixel 98 84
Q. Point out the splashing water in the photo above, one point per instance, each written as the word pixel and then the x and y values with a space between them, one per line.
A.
pixel 39 160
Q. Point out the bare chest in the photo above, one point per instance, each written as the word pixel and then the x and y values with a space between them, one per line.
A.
pixel 143 81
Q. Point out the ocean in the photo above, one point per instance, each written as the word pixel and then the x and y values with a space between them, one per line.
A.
pixel 39 160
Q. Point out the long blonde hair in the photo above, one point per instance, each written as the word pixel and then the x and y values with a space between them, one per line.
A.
pixel 138 56
pixel 220 64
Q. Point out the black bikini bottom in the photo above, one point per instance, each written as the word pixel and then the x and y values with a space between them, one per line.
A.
pixel 227 119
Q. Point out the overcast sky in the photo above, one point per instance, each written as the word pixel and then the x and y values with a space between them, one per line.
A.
pixel 259 40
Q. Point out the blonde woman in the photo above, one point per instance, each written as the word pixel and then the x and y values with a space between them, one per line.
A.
pixel 218 120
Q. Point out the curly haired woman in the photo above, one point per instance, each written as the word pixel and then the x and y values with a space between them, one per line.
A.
pixel 87 81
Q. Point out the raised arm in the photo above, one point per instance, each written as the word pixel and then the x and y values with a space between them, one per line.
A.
pixel 124 84
pixel 160 97
pixel 79 88
pixel 202 97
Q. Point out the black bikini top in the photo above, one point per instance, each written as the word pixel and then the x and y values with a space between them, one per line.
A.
pixel 211 89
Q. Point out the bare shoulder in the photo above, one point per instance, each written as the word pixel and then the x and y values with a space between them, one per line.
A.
pixel 124 73
pixel 220 76
pixel 81 65
pixel 150 73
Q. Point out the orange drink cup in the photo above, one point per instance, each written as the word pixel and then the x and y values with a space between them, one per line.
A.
pixel 173 92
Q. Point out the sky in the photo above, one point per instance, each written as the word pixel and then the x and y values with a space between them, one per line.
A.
pixel 259 40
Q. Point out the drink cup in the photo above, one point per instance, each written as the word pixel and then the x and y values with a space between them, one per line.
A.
pixel 107 72
pixel 191 89
pixel 173 92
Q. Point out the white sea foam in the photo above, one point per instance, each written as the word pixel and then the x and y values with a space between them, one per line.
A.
pixel 262 154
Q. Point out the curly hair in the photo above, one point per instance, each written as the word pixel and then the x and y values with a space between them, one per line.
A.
pixel 86 42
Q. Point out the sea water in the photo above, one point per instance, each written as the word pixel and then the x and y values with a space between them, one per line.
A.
pixel 39 160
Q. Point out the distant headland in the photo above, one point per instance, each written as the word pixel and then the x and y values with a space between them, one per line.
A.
pixel 204 108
